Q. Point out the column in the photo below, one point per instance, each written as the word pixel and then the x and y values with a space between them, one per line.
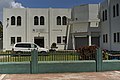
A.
pixel 73 41
pixel 90 40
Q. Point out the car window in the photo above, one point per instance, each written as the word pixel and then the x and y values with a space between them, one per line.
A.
pixel 23 45
pixel 33 46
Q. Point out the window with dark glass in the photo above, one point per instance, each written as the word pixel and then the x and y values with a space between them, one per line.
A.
pixel 64 39
pixel 103 38
pixel 117 9
pixel 105 14
pixel 13 20
pixel 58 39
pixel 42 20
pixel 18 21
pixel 64 20
pixel 114 11
pixel 18 39
pixel 114 37
pixel 36 20
pixel 58 20
pixel 12 40
pixel 118 37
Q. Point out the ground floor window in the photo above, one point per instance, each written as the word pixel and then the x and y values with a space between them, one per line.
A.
pixel 12 40
pixel 18 39
pixel 105 38
pixel 59 40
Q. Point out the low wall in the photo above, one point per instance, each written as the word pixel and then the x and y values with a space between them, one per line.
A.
pixel 14 67
pixel 110 65
pixel 67 66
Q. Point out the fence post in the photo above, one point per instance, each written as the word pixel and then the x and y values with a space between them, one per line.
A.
pixel 34 62
pixel 99 60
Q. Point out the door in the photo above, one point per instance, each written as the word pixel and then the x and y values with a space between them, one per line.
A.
pixel 39 41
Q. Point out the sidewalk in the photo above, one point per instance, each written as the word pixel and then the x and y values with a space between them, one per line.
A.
pixel 112 75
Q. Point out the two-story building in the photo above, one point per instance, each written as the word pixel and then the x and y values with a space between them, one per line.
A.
pixel 42 26
pixel 110 24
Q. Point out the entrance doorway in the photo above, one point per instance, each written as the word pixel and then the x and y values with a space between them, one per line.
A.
pixel 39 41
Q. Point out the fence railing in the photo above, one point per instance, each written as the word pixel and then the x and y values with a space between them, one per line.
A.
pixel 51 56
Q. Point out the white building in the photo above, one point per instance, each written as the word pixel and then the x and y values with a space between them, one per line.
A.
pixel 84 26
pixel 43 26
pixel 110 24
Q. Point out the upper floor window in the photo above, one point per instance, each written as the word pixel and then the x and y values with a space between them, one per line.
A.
pixel 117 9
pixel 36 20
pixel 58 20
pixel 64 20
pixel 103 15
pixel 42 20
pixel 13 20
pixel 114 11
pixel 18 21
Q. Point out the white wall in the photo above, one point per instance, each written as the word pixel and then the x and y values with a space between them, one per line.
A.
pixel 13 31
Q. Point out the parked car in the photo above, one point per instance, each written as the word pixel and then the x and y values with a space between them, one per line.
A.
pixel 27 47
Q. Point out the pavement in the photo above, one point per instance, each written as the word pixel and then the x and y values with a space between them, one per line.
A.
pixel 112 75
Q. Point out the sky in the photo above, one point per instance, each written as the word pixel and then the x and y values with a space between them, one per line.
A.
pixel 42 4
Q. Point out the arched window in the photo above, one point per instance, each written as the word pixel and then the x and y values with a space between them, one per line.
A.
pixel 114 11
pixel 19 21
pixel 64 20
pixel 42 20
pixel 13 20
pixel 117 9
pixel 36 20
pixel 58 20
pixel 103 15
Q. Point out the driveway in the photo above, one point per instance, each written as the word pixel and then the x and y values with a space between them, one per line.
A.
pixel 112 75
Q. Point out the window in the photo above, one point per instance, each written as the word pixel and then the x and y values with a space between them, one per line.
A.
pixel 58 20
pixel 36 20
pixel 13 20
pixel 105 38
pixel 105 15
pixel 114 11
pixel 64 39
pixel 18 21
pixel 42 20
pixel 22 45
pixel 114 37
pixel 118 37
pixel 12 40
pixel 58 39
pixel 64 20
pixel 18 39
pixel 117 9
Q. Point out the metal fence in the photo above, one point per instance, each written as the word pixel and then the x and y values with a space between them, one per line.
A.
pixel 51 56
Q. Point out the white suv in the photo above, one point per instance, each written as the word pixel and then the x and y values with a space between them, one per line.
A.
pixel 27 47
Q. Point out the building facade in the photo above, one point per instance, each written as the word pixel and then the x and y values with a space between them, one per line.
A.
pixel 110 21
pixel 42 26
pixel 84 26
